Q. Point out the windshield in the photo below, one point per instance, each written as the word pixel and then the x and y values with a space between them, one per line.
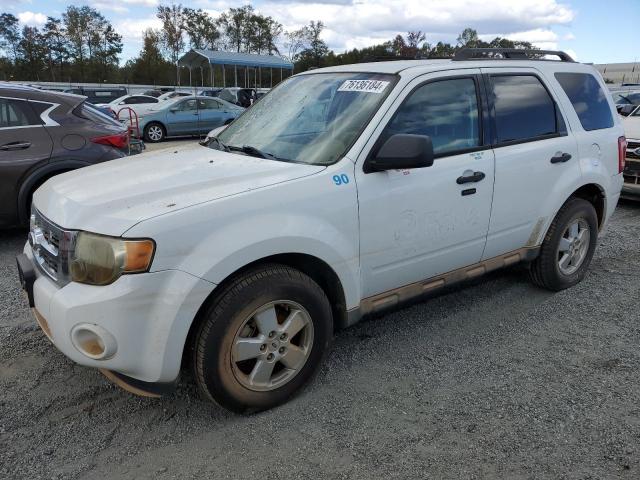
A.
pixel 311 118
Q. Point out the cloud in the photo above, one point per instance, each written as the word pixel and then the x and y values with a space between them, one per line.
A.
pixel 144 3
pixel 352 23
pixel 32 19
pixel 132 30
pixel 109 6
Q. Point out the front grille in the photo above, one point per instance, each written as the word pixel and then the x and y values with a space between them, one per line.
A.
pixel 631 150
pixel 50 245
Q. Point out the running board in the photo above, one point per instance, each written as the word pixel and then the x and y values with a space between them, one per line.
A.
pixel 398 296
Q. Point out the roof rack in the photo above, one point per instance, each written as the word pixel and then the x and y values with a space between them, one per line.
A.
pixel 508 54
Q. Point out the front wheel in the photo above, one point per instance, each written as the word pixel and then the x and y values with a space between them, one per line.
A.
pixel 154 132
pixel 568 247
pixel 262 339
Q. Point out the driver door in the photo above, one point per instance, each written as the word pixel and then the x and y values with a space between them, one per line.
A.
pixel 419 223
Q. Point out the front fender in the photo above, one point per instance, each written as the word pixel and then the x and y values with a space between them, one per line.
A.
pixel 309 215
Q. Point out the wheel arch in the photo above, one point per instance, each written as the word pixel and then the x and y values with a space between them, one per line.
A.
pixel 312 266
pixel 594 194
pixel 158 122
pixel 36 178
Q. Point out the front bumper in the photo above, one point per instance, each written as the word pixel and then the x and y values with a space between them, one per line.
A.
pixel 631 185
pixel 146 316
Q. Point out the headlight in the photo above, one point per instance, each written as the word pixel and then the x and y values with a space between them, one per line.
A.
pixel 100 260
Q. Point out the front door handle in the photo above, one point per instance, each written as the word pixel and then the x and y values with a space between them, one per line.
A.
pixel 474 177
pixel 561 157
pixel 15 146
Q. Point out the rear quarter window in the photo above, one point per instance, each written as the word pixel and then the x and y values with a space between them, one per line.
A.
pixel 588 99
pixel 89 112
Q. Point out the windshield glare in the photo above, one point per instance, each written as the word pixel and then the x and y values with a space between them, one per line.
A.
pixel 310 118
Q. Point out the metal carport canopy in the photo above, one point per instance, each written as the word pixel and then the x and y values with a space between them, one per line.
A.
pixel 197 58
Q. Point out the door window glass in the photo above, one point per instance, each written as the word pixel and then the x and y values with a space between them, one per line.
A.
pixel 588 99
pixel 188 105
pixel 16 113
pixel 523 108
pixel 208 104
pixel 445 110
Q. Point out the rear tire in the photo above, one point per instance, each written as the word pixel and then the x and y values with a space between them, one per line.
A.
pixel 262 339
pixel 154 132
pixel 568 247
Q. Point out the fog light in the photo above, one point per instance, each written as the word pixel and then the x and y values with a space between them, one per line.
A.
pixel 93 341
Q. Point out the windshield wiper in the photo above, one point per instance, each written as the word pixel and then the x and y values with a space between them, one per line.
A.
pixel 253 151
pixel 219 145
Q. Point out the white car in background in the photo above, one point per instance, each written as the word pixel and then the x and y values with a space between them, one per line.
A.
pixel 631 125
pixel 172 95
pixel 138 103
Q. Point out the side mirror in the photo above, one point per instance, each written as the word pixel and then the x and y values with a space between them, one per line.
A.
pixel 402 151
pixel 174 109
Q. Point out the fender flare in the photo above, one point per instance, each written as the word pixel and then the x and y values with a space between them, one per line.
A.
pixel 44 172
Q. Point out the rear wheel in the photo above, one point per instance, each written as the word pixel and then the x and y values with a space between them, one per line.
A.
pixel 568 247
pixel 262 339
pixel 154 132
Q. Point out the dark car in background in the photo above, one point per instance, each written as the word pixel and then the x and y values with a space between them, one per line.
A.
pixel 43 134
pixel 98 95
pixel 626 101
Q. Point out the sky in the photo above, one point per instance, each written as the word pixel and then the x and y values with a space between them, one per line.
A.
pixel 590 30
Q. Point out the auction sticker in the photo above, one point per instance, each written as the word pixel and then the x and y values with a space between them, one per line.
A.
pixel 365 86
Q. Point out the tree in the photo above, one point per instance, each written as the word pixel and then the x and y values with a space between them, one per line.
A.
pixel 172 33
pixel 9 35
pixel 106 50
pixel 263 34
pixel 32 53
pixel 442 50
pixel 296 42
pixel 235 24
pixel 55 40
pixel 468 38
pixel 317 47
pixel 150 67
pixel 200 28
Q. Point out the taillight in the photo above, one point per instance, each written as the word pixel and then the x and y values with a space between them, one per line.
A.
pixel 622 153
pixel 120 140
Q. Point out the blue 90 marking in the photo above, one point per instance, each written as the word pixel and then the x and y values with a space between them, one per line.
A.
pixel 341 179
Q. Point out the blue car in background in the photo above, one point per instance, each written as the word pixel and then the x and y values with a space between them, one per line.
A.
pixel 193 115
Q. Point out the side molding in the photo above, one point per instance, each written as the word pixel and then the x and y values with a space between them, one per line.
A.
pixel 402 295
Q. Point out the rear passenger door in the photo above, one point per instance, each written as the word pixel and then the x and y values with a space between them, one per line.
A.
pixel 212 114
pixel 182 119
pixel 24 144
pixel 535 157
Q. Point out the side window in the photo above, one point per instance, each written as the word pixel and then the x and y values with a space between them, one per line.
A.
pixel 208 104
pixel 188 105
pixel 445 110
pixel 588 99
pixel 16 113
pixel 523 108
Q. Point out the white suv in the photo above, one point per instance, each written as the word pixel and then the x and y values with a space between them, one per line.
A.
pixel 341 193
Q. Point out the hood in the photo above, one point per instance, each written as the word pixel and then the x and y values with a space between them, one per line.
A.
pixel 111 197
pixel 631 127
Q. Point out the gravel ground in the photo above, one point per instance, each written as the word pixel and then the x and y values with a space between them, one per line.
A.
pixel 497 379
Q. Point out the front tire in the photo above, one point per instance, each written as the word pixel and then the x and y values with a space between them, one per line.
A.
pixel 568 247
pixel 154 132
pixel 262 339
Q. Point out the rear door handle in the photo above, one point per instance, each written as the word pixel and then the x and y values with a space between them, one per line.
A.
pixel 15 146
pixel 474 177
pixel 561 157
